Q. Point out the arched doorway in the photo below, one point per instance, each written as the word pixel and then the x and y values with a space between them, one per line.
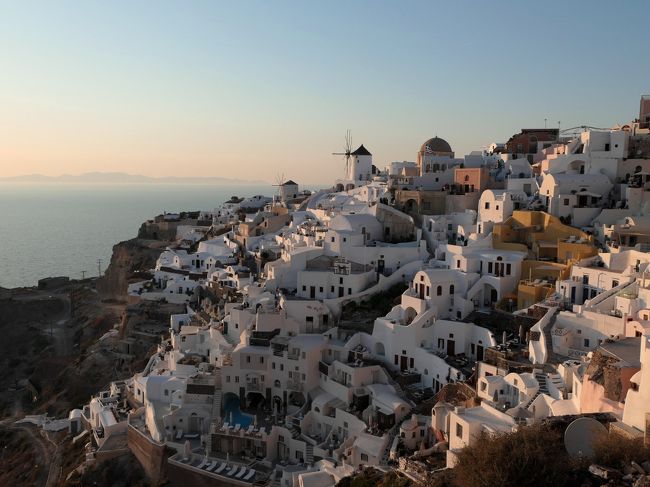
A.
pixel 411 206
pixel 409 315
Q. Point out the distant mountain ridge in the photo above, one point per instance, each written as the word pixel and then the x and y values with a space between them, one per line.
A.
pixel 123 178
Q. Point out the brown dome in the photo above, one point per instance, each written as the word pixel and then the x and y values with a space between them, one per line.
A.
pixel 435 144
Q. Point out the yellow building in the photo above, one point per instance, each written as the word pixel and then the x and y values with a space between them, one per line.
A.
pixel 552 248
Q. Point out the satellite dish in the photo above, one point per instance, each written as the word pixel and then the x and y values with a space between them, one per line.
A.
pixel 580 436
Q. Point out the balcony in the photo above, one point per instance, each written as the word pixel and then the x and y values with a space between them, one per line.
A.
pixel 295 385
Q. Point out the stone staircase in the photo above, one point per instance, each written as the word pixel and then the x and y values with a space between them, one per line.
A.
pixel 551 356
pixel 295 433
pixel 218 395
pixel 310 454
pixel 216 403
pixel 543 388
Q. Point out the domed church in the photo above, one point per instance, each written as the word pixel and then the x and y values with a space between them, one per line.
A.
pixel 433 154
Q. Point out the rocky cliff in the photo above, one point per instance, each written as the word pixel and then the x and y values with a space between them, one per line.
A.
pixel 130 262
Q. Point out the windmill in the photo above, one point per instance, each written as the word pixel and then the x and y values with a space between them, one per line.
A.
pixel 347 148
pixel 279 182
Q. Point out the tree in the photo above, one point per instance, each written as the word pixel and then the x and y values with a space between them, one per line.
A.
pixel 531 456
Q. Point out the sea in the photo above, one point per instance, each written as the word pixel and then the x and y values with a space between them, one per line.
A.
pixel 53 229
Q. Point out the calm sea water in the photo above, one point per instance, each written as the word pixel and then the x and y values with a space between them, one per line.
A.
pixel 63 229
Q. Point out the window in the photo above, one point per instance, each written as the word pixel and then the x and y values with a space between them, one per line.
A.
pixel 333 239
pixel 236 379
pixel 441 343
pixel 331 289
pixel 364 457
pixel 281 367
pixel 497 207
pixel 566 201
pixel 458 264
pixel 248 359
pixel 487 205
pixel 349 290
pixel 166 392
pixel 439 291
pixel 273 365
pixel 304 288
pixel 227 378
pixel 320 289
pixel 508 269
pixel 483 386
pixel 489 267
pixel 396 360
pixel 459 430
pixel 451 289
pixel 614 283
pixel 261 360
pixel 586 342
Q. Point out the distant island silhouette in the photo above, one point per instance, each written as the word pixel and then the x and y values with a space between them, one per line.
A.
pixel 123 178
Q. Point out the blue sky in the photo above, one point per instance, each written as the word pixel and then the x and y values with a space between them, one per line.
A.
pixel 254 88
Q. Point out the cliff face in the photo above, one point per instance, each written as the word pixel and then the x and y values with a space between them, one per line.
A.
pixel 129 258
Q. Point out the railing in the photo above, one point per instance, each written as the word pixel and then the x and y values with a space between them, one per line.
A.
pixel 295 385
pixel 573 353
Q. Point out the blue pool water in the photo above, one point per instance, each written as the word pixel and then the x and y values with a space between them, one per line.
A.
pixel 231 405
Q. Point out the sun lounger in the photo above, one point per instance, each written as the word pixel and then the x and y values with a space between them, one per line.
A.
pixel 224 427
pixel 241 474
pixel 237 427
pixel 203 463
pixel 208 466
pixel 214 465
pixel 251 428
pixel 231 471
pixel 234 471
pixel 221 468
pixel 250 474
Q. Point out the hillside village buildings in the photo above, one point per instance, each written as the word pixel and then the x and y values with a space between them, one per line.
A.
pixel 517 276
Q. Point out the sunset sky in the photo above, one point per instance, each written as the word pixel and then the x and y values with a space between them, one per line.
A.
pixel 249 89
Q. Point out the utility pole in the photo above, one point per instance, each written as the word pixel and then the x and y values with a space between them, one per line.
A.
pixel 545 122
pixel 83 275
pixel 99 267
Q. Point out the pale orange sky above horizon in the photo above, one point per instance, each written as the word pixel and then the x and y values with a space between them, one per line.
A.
pixel 255 89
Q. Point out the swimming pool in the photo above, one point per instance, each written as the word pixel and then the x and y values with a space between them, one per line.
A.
pixel 231 407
